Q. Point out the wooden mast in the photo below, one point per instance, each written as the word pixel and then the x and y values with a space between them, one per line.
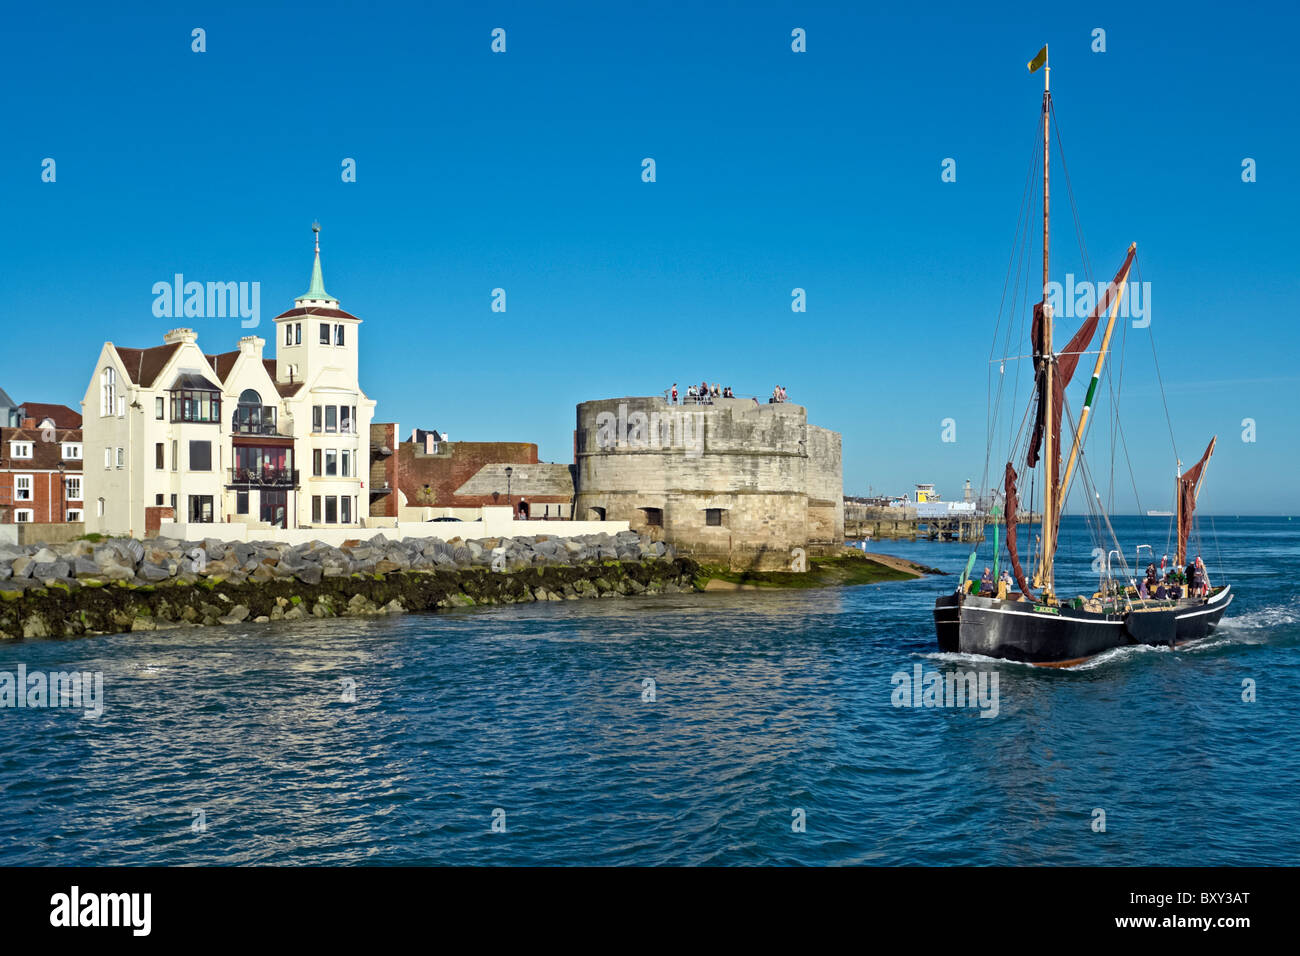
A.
pixel 1049 449
pixel 1118 285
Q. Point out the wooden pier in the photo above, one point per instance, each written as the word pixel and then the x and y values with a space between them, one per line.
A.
pixel 869 522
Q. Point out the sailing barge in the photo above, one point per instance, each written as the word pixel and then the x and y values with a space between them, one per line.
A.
pixel 1030 622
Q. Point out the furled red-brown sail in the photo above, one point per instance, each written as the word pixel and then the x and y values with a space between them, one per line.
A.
pixel 1187 500
pixel 1013 506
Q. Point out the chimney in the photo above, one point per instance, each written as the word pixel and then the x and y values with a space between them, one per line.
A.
pixel 252 345
pixel 181 335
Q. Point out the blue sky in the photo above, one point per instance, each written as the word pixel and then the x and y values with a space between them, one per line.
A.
pixel 775 170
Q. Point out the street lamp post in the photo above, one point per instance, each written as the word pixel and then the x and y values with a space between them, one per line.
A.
pixel 63 493
pixel 510 471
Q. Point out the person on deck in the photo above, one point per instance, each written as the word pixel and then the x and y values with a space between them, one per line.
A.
pixel 674 393
pixel 986 582
pixel 1200 578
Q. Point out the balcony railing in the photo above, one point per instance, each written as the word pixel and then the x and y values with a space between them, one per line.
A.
pixel 263 477
pixel 254 420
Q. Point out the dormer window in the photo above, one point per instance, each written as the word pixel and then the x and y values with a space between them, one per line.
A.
pixel 72 451
pixel 20 449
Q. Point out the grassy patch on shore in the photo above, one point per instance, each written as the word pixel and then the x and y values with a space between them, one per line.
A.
pixel 845 569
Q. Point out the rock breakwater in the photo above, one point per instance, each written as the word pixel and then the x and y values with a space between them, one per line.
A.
pixel 121 584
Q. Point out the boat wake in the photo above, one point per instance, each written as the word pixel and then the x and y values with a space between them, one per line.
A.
pixel 956 657
pixel 1266 618
pixel 1111 656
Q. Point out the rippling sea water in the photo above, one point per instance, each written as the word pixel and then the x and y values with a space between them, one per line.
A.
pixel 764 703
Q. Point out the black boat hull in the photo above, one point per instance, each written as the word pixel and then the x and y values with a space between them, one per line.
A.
pixel 1038 634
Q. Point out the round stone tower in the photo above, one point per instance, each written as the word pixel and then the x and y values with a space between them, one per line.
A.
pixel 748 485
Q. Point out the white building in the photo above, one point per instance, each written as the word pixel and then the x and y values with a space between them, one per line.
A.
pixel 234 437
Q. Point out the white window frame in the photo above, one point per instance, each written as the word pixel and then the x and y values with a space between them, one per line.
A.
pixel 24 516
pixel 72 450
pixel 99 507
pixel 108 457
pixel 108 391
pixel 121 457
pixel 74 515
pixel 18 487
pixel 68 484
pixel 20 449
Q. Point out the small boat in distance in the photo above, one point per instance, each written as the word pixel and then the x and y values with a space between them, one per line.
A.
pixel 1160 514
pixel 1023 621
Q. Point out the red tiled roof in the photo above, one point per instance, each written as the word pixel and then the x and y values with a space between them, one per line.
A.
pixel 46 455
pixel 144 365
pixel 64 417
pixel 286 389
pixel 327 313
pixel 222 364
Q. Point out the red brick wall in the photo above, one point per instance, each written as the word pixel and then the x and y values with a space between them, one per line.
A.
pixel 46 504
pixel 432 480
pixel 154 517
pixel 384 469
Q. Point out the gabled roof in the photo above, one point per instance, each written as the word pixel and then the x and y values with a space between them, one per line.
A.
pixel 144 365
pixel 223 363
pixel 6 401
pixel 64 417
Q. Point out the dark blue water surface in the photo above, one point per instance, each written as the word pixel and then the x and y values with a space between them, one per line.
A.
pixel 766 703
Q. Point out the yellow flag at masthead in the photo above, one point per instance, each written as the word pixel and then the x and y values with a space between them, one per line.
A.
pixel 1039 60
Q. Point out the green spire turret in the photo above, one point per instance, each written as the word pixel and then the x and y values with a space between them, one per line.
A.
pixel 317 290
